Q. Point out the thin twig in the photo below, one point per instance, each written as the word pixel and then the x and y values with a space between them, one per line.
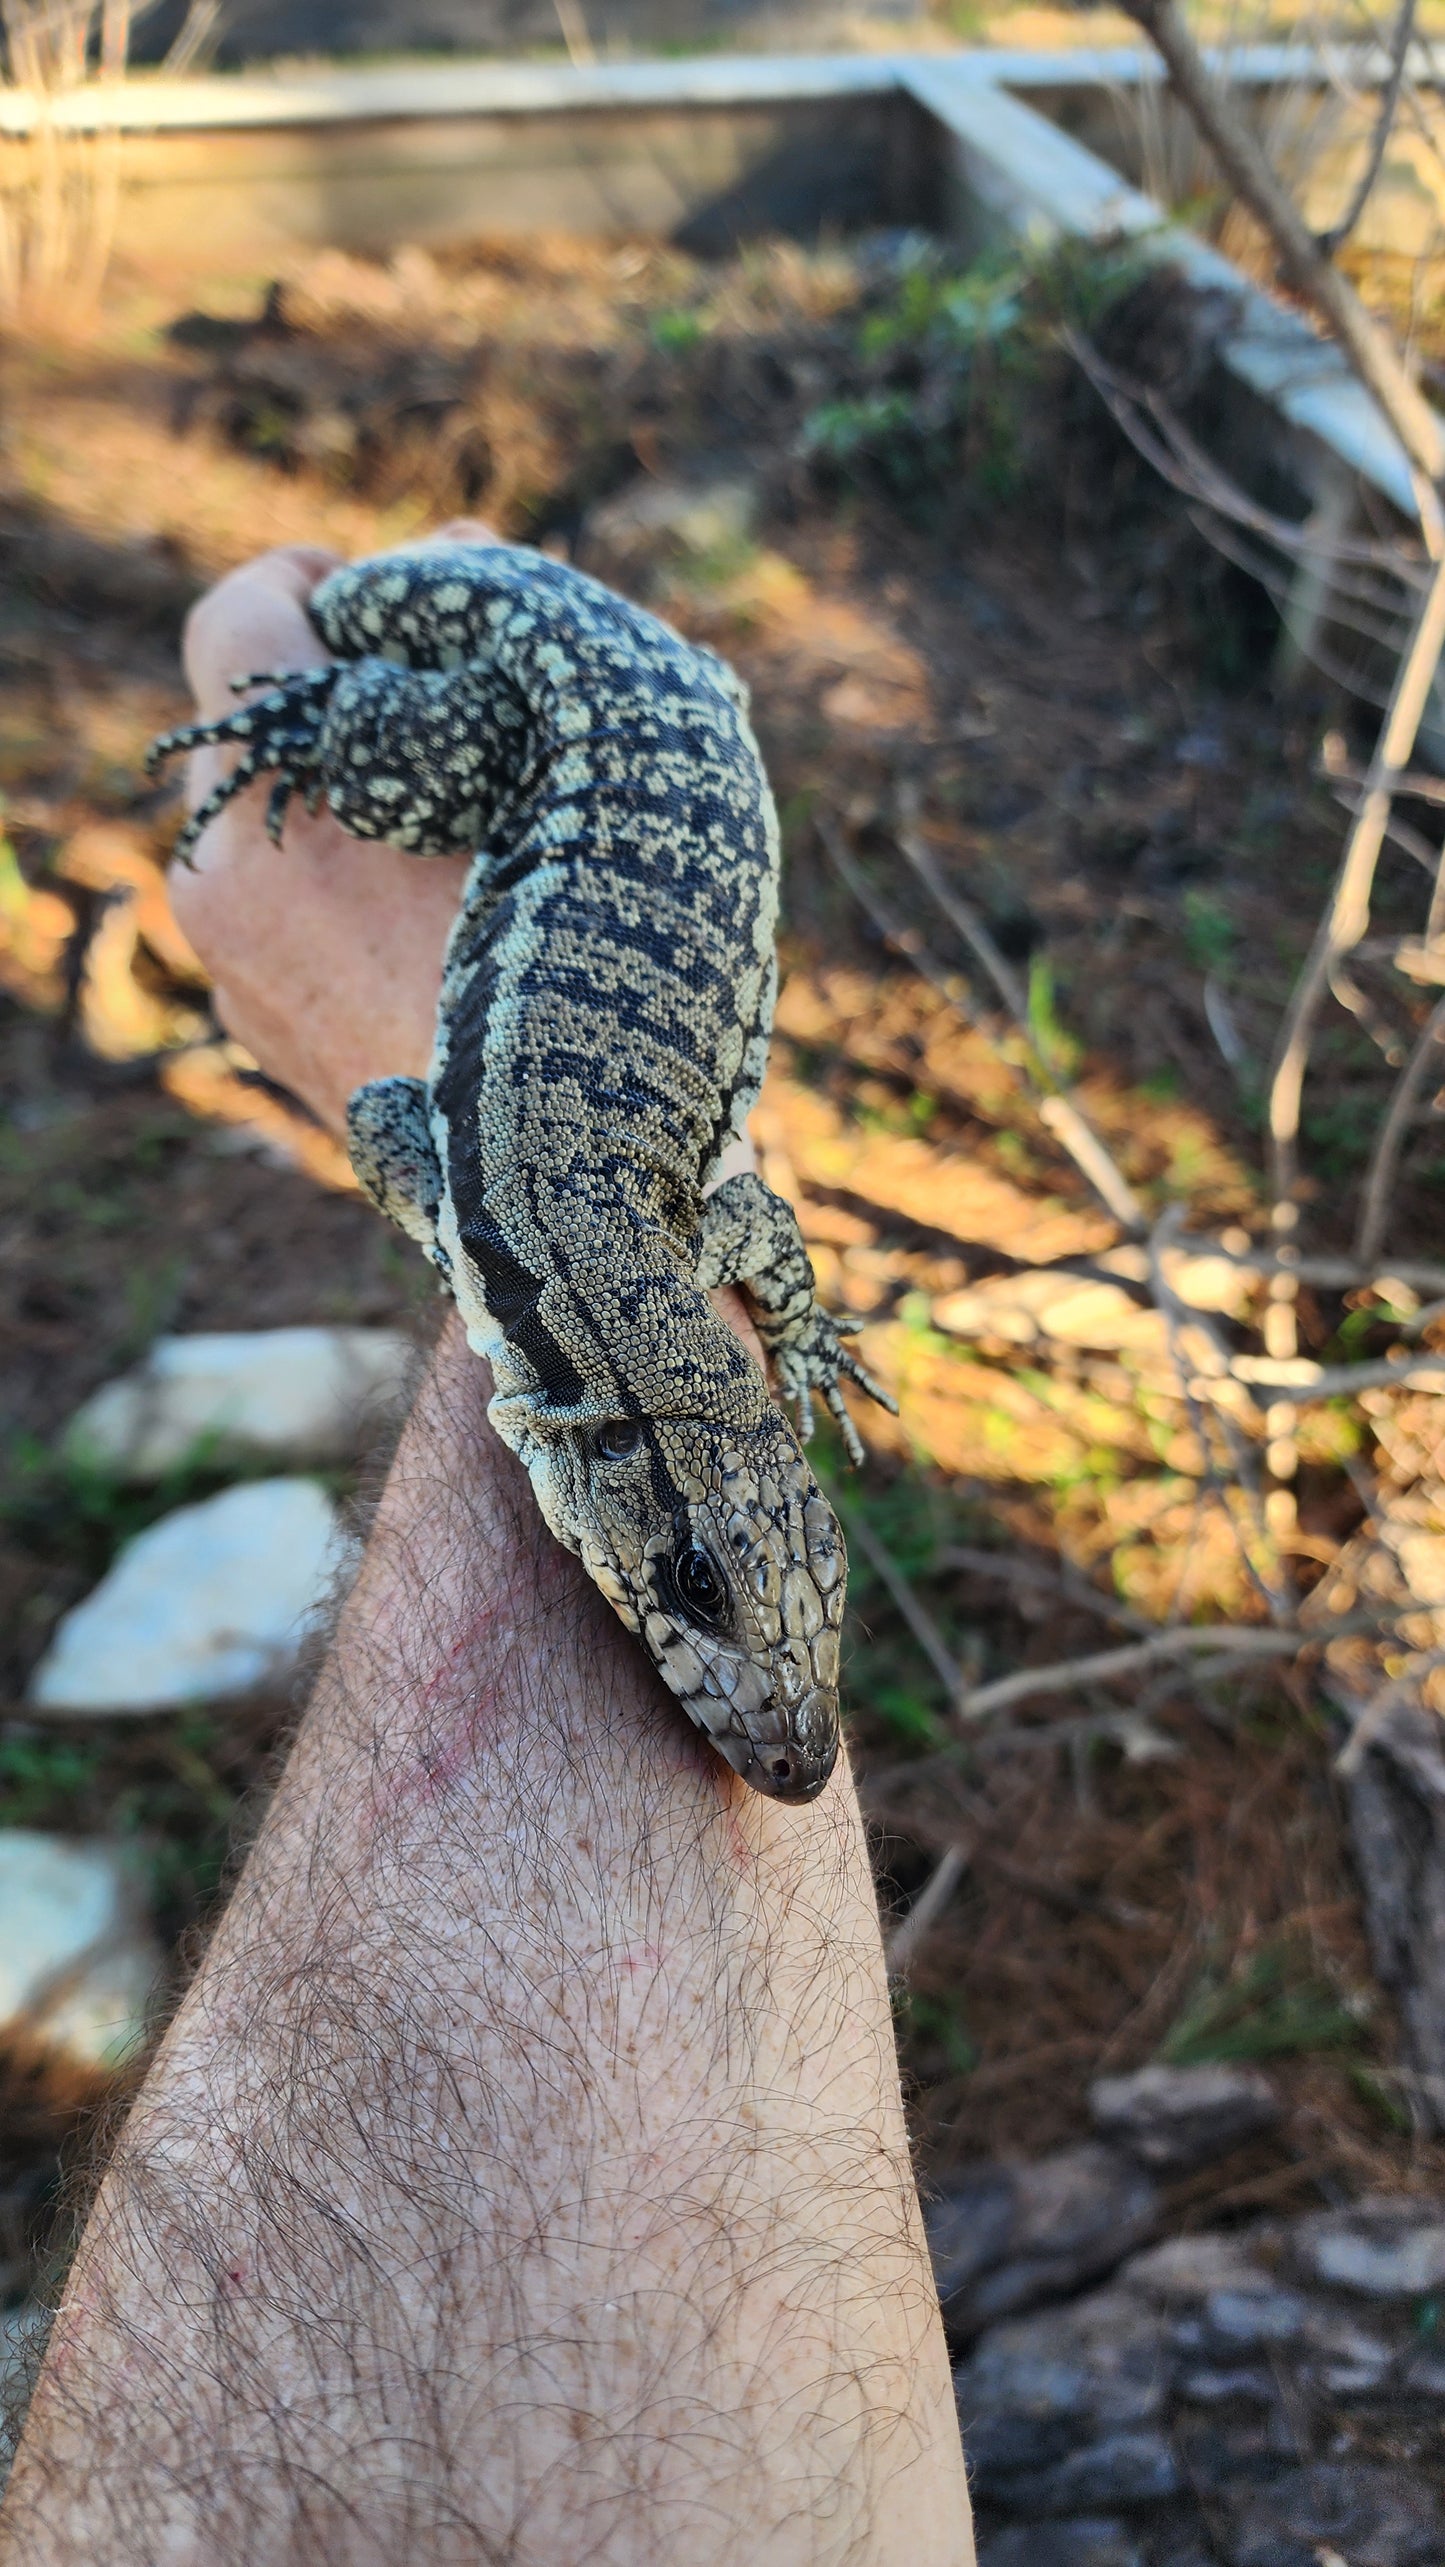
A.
pixel 1075 1590
pixel 905 940
pixel 1410 841
pixel 1175 454
pixel 1390 1138
pixel 1347 918
pixel 1332 240
pixel 1058 1112
pixel 1304 1383
pixel 1330 1274
pixel 920 1621
pixel 1377 1710
pixel 1246 165
pixel 1236 1642
pixel 932 1899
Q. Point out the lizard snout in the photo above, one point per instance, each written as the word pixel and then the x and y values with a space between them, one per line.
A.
pixel 795 1768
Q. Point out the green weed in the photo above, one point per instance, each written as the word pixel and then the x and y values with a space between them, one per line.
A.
pixel 907 1716
pixel 949 363
pixel 41 1779
pixel 1209 932
pixel 1056 1047
pixel 677 333
pixel 1276 2005
pixel 941 2027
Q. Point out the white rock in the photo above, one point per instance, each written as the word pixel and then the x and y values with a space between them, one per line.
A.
pixel 693 518
pixel 292 1395
pixel 214 1600
pixel 77 1964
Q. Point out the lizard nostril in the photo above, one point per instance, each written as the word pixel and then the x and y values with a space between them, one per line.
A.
pixel 781 1769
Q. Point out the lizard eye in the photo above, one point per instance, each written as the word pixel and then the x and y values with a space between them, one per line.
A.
pixel 618 1440
pixel 699 1588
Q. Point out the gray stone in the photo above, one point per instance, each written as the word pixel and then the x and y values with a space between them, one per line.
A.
pixel 1121 2470
pixel 1372 2517
pixel 77 1961
pixel 1225 2456
pixel 1237 2318
pixel 1383 2248
pixel 213 1601
pixel 1088 2541
pixel 1205 2385
pixel 1038 2388
pixel 1181 2270
pixel 1347 2361
pixel 1010 2237
pixel 693 522
pixel 296 1396
pixel 1177 2118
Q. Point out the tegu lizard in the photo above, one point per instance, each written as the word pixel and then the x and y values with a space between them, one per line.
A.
pixel 602 1032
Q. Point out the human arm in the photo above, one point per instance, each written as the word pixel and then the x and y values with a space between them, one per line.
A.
pixel 524 2176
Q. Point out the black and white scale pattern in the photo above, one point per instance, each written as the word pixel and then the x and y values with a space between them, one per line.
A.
pixel 602 1033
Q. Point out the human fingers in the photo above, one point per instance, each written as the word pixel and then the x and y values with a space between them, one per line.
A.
pixel 254 618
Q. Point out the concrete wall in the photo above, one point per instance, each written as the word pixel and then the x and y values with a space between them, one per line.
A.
pixel 706 177
pixel 264 30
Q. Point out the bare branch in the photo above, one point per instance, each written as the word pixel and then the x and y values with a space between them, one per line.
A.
pixel 1377 1710
pixel 1331 1274
pixel 1069 1587
pixel 1305 1383
pixel 1167 445
pixel 1248 169
pixel 915 1613
pixel 1332 240
pixel 1347 918
pixel 1057 1112
pixel 1389 1140
pixel 1234 1642
pixel 932 1899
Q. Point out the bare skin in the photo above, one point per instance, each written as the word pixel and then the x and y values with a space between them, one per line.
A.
pixel 524 2178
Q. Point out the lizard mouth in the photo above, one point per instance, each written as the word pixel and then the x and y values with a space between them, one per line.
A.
pixel 794 1768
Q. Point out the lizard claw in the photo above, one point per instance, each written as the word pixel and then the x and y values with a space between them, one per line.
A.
pixel 852 1440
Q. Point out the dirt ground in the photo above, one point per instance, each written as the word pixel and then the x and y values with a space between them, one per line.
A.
pixel 1029 653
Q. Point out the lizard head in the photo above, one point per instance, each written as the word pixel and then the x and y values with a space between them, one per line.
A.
pixel 718 1548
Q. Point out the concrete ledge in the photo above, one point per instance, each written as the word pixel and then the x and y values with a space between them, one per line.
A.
pixel 705 150
pixel 392 92
pixel 1015 170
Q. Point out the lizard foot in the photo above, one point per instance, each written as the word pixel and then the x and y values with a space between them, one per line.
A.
pixel 750 1236
pixel 809 1357
pixel 277 734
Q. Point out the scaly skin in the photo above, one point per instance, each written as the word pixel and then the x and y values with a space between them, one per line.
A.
pixel 602 1033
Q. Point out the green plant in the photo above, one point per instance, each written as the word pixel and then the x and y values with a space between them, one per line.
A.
pixel 942 2029
pixel 42 1778
pixel 907 1716
pixel 948 363
pixel 677 333
pixel 1274 2005
pixel 1209 932
pixel 1056 1048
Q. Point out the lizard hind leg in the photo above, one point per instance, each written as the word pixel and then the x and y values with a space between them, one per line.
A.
pixel 388 1133
pixel 750 1236
pixel 277 734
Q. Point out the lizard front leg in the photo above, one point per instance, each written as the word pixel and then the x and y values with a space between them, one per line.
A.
pixel 749 1236
pixel 389 1136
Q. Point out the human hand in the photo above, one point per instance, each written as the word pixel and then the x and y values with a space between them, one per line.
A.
pixel 326 952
